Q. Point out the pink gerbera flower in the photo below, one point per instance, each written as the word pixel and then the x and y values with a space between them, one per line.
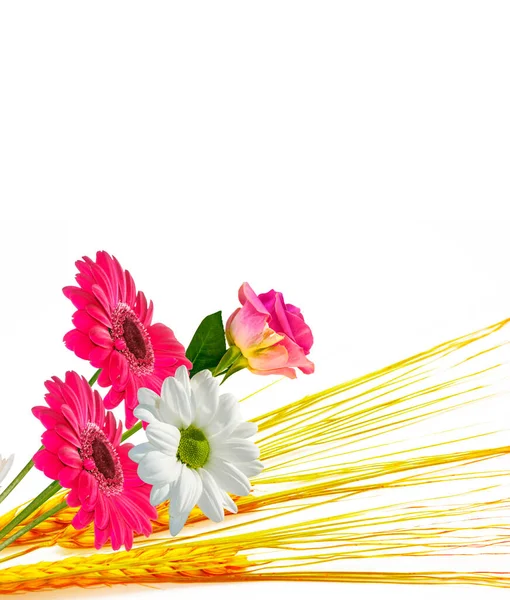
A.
pixel 82 451
pixel 114 332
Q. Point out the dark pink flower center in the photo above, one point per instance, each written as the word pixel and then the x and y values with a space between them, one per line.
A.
pixel 101 460
pixel 132 340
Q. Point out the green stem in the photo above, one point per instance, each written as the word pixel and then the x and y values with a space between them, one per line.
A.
pixel 127 434
pixel 43 497
pixel 28 467
pixel 94 377
pixel 24 471
pixel 33 524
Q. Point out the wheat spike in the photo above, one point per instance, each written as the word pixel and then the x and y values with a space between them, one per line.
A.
pixel 339 451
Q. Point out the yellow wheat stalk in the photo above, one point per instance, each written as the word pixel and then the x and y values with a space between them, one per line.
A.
pixel 304 551
pixel 337 436
pixel 357 443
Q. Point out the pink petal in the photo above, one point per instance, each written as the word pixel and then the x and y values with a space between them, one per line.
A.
pixel 99 356
pixel 82 518
pixel 73 498
pixel 68 434
pixel 68 477
pixel 77 296
pixel 102 298
pixel 52 441
pixel 48 417
pixel 100 536
pixel 100 336
pixel 119 371
pixel 48 463
pixel 104 378
pixel 70 457
pixel 113 399
pixel 87 489
pixel 98 314
pixel 102 512
pixel 79 343
pixel 68 413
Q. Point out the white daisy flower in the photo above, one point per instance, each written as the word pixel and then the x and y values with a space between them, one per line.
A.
pixel 198 447
pixel 5 466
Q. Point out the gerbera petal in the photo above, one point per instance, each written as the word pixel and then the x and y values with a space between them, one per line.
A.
pixel 79 343
pixel 119 371
pixel 82 518
pixel 99 314
pixel 68 476
pixel 88 489
pixel 113 399
pixel 98 356
pixel 48 463
pixel 70 456
pixel 52 441
pixel 100 336
pixel 100 536
pixel 83 321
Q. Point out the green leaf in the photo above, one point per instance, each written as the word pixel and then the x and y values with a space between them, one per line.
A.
pixel 208 344
pixel 228 359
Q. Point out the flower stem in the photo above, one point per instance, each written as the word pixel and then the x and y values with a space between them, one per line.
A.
pixel 127 434
pixel 43 497
pixel 17 479
pixel 33 524
pixel 28 467
pixel 94 377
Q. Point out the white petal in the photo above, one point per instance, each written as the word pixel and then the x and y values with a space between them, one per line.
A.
pixel 206 396
pixel 187 488
pixel 228 503
pixel 228 477
pixel 175 407
pixel 164 437
pixel 6 467
pixel 160 493
pixel 138 452
pixel 182 377
pixel 146 413
pixel 186 491
pixel 235 450
pixel 244 430
pixel 227 417
pixel 147 396
pixel 250 469
pixel 210 502
pixel 157 468
pixel 177 519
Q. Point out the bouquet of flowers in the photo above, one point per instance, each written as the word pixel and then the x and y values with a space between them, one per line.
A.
pixel 312 482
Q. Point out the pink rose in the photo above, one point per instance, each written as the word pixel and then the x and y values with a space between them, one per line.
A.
pixel 272 336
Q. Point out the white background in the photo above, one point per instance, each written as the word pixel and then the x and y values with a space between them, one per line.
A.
pixel 351 154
